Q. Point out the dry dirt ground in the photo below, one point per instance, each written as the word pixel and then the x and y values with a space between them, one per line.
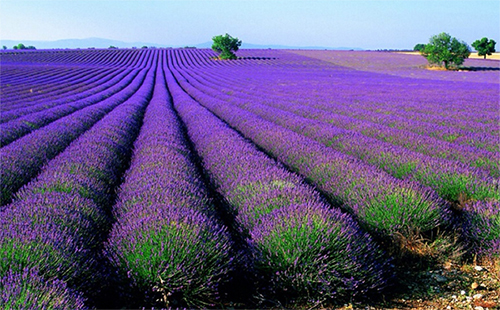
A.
pixel 451 286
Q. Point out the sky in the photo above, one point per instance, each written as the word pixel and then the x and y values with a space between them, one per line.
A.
pixel 369 24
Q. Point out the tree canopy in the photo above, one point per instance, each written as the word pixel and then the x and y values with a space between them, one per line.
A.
pixel 484 47
pixel 225 45
pixel 447 50
pixel 419 47
pixel 21 46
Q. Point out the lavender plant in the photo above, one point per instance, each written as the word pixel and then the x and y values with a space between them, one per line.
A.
pixel 262 194
pixel 166 238
pixel 21 160
pixel 27 290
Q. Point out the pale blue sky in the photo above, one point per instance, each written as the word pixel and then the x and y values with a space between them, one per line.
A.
pixel 367 24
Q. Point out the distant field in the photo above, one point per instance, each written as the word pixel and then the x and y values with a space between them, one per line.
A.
pixel 287 178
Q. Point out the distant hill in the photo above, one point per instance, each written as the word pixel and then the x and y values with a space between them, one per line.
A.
pixel 79 43
pixel 266 46
pixel 105 43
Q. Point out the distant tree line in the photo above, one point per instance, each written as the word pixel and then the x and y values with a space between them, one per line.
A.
pixel 446 50
pixel 21 46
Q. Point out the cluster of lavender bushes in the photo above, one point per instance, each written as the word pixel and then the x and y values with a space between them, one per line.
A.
pixel 448 178
pixel 170 177
pixel 34 119
pixel 369 194
pixel 167 239
pixel 300 248
pixel 455 171
pixel 22 159
pixel 56 226
pixel 53 89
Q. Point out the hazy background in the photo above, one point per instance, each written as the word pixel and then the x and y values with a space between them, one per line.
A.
pixel 368 24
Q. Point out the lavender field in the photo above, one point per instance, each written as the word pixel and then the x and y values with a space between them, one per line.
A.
pixel 167 178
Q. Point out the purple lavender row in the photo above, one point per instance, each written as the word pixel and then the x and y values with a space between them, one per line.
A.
pixel 18 87
pixel 468 99
pixel 59 220
pixel 481 225
pixel 17 128
pixel 36 95
pixel 15 76
pixel 481 228
pixel 474 103
pixel 50 88
pixel 382 204
pixel 88 67
pixel 115 80
pixel 460 132
pixel 469 133
pixel 27 290
pixel 426 145
pixel 100 57
pixel 91 163
pixel 431 118
pixel 107 82
pixel 300 247
pixel 328 94
pixel 165 238
pixel 53 237
pixel 22 159
pixel 449 179
pixel 422 144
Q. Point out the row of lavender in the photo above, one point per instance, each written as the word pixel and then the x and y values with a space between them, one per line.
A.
pixel 452 180
pixel 52 235
pixel 23 158
pixel 272 225
pixel 298 247
pixel 36 84
pixel 37 106
pixel 99 57
pixel 65 208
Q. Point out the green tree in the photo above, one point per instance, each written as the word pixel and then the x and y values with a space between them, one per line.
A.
pixel 484 47
pixel 21 46
pixel 4 47
pixel 447 50
pixel 226 45
pixel 419 47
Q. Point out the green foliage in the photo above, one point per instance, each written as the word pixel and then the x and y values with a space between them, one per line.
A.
pixel 225 45
pixel 447 50
pixel 484 47
pixel 4 47
pixel 419 47
pixel 21 46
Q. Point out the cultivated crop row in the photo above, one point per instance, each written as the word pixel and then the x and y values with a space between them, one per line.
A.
pixel 22 159
pixel 58 222
pixel 298 245
pixel 173 179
